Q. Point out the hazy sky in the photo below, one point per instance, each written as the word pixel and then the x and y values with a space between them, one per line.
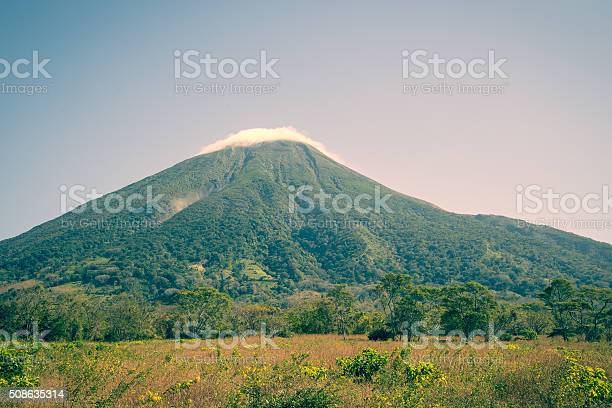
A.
pixel 112 116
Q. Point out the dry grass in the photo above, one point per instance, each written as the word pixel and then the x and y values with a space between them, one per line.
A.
pixel 20 285
pixel 120 374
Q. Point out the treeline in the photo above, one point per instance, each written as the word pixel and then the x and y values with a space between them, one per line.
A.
pixel 396 307
pixel 467 310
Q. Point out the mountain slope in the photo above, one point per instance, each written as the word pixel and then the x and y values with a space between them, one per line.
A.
pixel 225 220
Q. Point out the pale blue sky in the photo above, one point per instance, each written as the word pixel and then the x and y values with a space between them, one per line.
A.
pixel 111 115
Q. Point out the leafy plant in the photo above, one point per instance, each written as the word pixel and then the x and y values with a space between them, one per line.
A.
pixel 380 334
pixel 363 366
pixel 422 374
pixel 528 334
pixel 310 397
pixel 314 372
pixel 585 384
pixel 265 387
pixel 16 368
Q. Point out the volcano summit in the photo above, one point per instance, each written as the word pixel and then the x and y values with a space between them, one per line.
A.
pixel 227 218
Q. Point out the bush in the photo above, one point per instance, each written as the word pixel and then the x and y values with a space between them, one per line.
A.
pixel 262 387
pixel 380 334
pixel 506 337
pixel 363 366
pixel 586 385
pixel 283 333
pixel 422 374
pixel 16 367
pixel 314 372
pixel 303 398
pixel 528 334
pixel 368 321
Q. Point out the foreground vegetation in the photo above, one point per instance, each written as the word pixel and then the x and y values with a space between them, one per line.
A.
pixel 402 345
pixel 323 371
pixel 392 308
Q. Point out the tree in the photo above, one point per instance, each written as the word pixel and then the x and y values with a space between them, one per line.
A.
pixel 595 311
pixel 130 318
pixel 586 311
pixel 390 290
pixel 365 322
pixel 342 302
pixel 560 298
pixel 506 318
pixel 533 316
pixel 468 308
pixel 204 307
pixel 409 309
pixel 251 316
pixel 312 317
pixel 401 301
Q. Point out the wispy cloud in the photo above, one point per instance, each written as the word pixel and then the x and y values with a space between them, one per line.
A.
pixel 253 136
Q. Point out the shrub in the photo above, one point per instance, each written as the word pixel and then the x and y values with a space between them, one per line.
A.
pixel 16 367
pixel 368 321
pixel 380 334
pixel 506 337
pixel 422 374
pixel 150 397
pixel 263 388
pixel 180 386
pixel 314 372
pixel 302 398
pixel 586 385
pixel 363 366
pixel 284 333
pixel 528 334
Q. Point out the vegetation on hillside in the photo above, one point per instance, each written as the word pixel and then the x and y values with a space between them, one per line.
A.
pixel 225 223
pixel 394 308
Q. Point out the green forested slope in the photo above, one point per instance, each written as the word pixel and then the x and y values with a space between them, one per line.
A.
pixel 226 222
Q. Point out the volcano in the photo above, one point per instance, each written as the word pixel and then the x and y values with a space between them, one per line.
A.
pixel 273 218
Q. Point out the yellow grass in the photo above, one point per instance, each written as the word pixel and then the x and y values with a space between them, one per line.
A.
pixel 19 285
pixel 93 372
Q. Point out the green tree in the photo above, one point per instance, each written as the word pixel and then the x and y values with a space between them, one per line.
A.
pixel 390 290
pixel 468 307
pixel 312 317
pixel 594 311
pixel 251 316
pixel 560 298
pixel 506 318
pixel 403 303
pixel 129 318
pixel 533 316
pixel 408 310
pixel 205 307
pixel 342 302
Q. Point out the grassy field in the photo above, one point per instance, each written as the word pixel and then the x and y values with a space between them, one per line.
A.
pixel 304 372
